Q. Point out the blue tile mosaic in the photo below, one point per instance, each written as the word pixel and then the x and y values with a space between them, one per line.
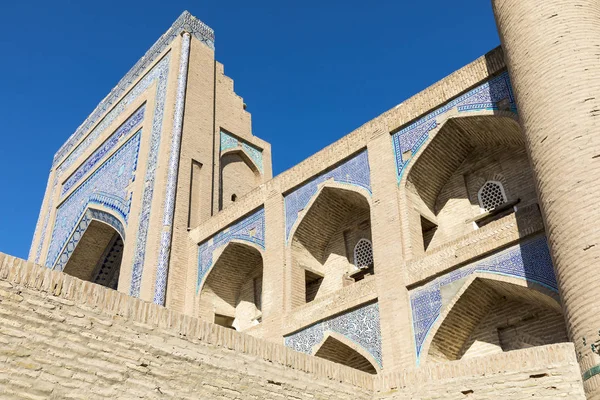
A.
pixel 361 326
pixel 354 171
pixel 529 260
pixel 107 186
pixel 250 229
pixel 230 142
pixel 85 221
pixel 484 97
pixel 128 126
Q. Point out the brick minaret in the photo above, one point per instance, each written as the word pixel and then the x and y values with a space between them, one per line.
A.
pixel 552 49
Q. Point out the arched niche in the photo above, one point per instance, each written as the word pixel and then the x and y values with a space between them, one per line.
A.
pixel 239 175
pixel 322 241
pixel 492 314
pixel 444 178
pixel 231 294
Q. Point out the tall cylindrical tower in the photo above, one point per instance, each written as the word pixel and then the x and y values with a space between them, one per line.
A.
pixel 552 49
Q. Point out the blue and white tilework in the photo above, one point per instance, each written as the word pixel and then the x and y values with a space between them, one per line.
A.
pixel 84 222
pixel 485 97
pixel 162 269
pixel 529 260
pixel 230 142
pixel 355 171
pixel 128 126
pixel 107 186
pixel 250 229
pixel 361 326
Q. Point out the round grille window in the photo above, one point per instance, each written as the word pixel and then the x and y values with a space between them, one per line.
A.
pixel 363 254
pixel 491 195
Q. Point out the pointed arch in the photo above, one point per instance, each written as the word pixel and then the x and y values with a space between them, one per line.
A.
pixel 338 348
pixel 467 305
pixel 231 292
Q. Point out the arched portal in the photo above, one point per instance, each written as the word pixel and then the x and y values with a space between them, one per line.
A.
pixel 323 242
pixel 97 256
pixel 490 315
pixel 231 295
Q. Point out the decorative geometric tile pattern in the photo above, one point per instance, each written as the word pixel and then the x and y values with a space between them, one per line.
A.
pixel 84 222
pixel 250 229
pixel 128 126
pixel 355 171
pixel 485 97
pixel 360 326
pixel 162 269
pixel 529 260
pixel 185 22
pixel 230 142
pixel 107 186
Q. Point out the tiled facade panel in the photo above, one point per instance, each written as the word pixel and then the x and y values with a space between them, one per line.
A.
pixel 485 97
pixel 107 187
pixel 251 229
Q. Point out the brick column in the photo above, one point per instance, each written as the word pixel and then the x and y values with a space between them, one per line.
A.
pixel 387 252
pixel 552 49
pixel 273 267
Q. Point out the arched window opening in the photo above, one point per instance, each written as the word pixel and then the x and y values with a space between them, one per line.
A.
pixel 338 352
pixel 363 254
pixel 491 195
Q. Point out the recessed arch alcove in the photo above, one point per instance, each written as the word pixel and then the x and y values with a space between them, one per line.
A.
pixel 492 314
pixel 339 349
pixel 323 238
pixel 231 293
pixel 444 179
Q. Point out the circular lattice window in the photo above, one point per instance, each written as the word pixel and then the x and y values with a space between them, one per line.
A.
pixel 491 195
pixel 363 254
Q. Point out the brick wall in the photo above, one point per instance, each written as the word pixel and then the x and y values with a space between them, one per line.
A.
pixel 547 372
pixel 65 338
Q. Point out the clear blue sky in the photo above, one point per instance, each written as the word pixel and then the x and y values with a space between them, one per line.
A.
pixel 310 71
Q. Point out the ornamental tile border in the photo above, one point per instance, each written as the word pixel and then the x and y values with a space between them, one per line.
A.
pixel 484 97
pixel 250 229
pixel 128 126
pixel 231 142
pixel 529 260
pixel 162 269
pixel 361 326
pixel 107 186
pixel 354 171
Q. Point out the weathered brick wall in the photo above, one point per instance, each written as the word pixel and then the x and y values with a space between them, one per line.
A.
pixel 65 338
pixel 547 372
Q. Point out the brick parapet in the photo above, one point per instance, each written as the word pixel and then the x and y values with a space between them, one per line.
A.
pixel 490 238
pixel 331 304
pixel 541 361
pixel 86 295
